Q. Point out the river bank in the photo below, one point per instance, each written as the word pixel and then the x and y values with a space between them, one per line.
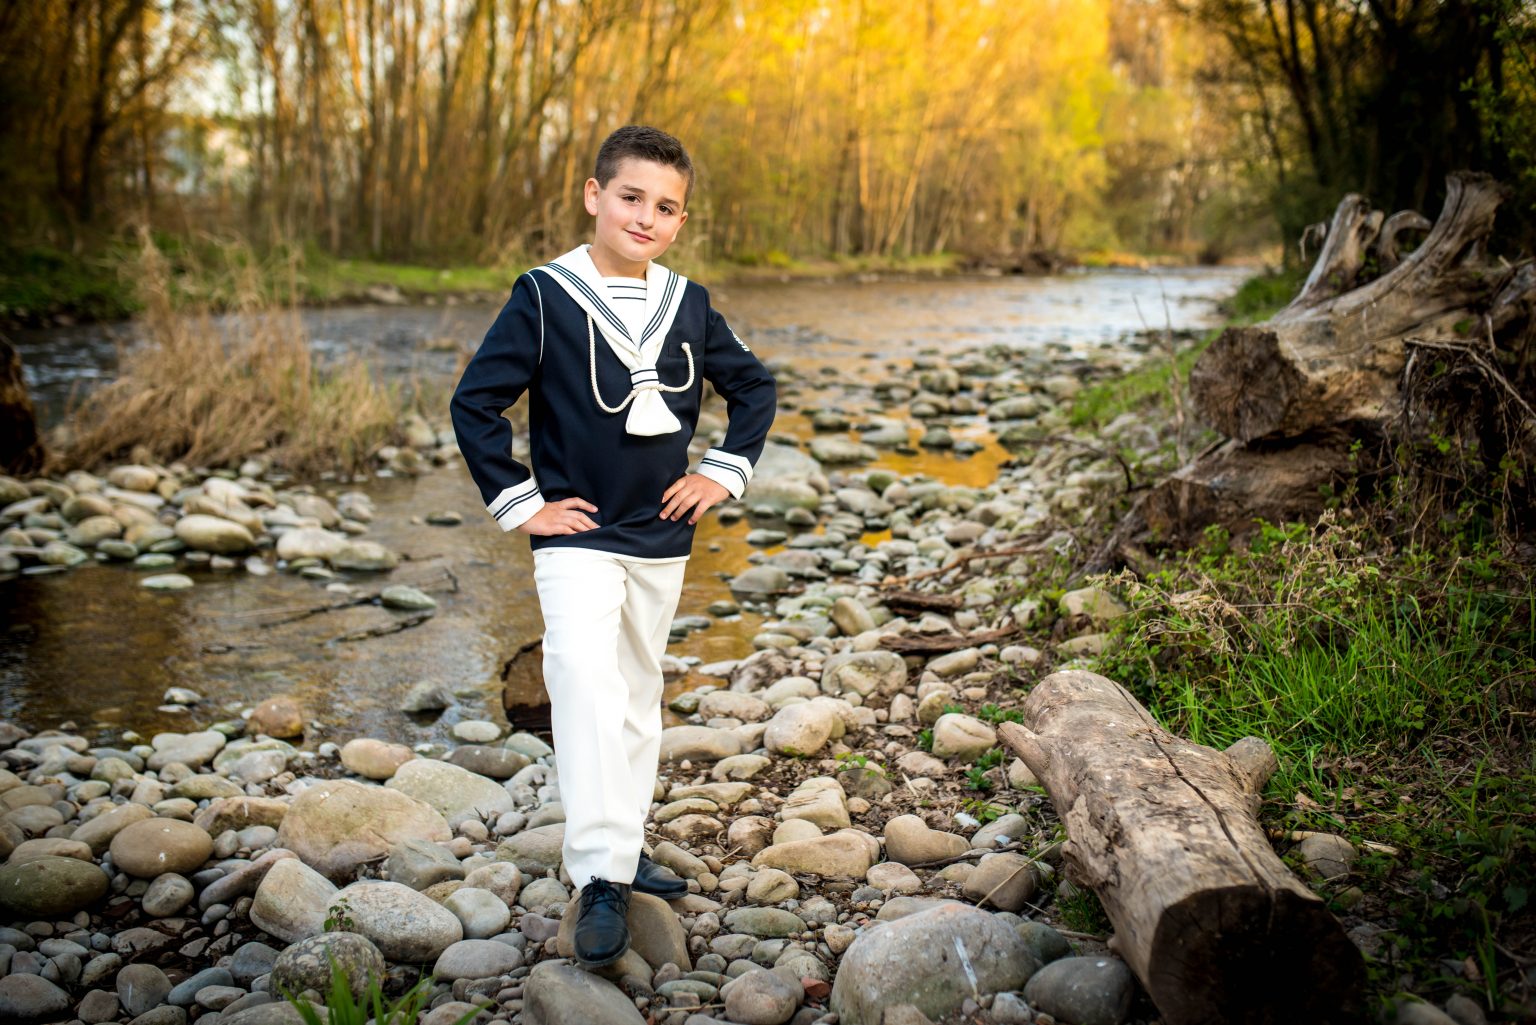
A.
pixel 41 287
pixel 817 782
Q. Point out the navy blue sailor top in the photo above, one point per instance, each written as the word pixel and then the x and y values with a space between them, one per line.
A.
pixel 540 345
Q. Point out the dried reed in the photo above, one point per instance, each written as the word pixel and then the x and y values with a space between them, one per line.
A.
pixel 212 392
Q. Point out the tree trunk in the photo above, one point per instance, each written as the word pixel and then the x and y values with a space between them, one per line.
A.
pixel 21 451
pixel 1335 355
pixel 1164 831
pixel 1329 387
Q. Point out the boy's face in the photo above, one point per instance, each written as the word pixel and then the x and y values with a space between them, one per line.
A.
pixel 638 214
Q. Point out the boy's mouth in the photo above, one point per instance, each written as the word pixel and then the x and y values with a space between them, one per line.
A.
pixel 637 236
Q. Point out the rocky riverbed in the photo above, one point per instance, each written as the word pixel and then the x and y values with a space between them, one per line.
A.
pixel 858 848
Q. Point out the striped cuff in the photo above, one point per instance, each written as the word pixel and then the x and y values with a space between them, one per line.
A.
pixel 517 504
pixel 732 473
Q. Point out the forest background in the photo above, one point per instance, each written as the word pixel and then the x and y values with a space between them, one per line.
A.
pixel 438 144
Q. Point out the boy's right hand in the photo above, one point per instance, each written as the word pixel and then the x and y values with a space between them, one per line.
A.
pixel 562 517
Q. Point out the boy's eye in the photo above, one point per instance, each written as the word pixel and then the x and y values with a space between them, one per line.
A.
pixel 666 210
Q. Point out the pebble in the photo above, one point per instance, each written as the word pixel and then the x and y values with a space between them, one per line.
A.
pixel 480 912
pixel 184 993
pixel 164 581
pixel 1327 856
pixel 764 922
pixel 909 840
pixel 167 895
pixel 405 597
pixel 141 987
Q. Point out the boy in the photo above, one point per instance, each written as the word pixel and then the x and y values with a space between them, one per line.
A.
pixel 612 350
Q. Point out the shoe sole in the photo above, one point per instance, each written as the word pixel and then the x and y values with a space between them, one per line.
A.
pixel 583 962
pixel 665 895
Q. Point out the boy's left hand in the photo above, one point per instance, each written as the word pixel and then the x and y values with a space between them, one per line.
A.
pixel 694 491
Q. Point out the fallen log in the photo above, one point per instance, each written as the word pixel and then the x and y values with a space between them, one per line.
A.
pixel 1165 833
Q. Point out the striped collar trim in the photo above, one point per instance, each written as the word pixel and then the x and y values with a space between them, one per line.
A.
pixel 578 275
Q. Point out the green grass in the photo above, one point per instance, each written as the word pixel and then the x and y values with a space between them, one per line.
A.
pixel 329 279
pixel 1261 296
pixel 38 282
pixel 1397 687
pixel 371 1007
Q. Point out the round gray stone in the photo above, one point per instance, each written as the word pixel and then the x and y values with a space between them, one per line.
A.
pixel 477 959
pixel 26 997
pixel 142 987
pixel 50 886
pixel 1083 990
pixel 560 994
pixel 167 895
pixel 934 959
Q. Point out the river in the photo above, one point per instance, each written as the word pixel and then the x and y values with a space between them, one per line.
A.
pixel 93 647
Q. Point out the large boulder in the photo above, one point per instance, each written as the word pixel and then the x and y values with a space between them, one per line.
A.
pixel 403 924
pixel 933 960
pixel 155 846
pixel 50 887
pixel 337 825
pixel 456 793
pixel 563 994
pixel 307 963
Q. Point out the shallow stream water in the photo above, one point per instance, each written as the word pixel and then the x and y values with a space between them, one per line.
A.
pixel 93 646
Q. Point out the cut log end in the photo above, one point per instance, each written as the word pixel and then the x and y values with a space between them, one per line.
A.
pixel 1254 956
pixel 1220 383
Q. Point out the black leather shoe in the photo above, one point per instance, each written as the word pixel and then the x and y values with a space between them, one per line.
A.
pixel 602 934
pixel 658 881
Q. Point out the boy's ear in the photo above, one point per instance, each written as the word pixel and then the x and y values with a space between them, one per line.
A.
pixel 589 195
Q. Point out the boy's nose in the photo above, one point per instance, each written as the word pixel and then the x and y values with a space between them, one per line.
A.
pixel 645 215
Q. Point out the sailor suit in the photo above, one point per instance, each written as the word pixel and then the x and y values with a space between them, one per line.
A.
pixel 614 385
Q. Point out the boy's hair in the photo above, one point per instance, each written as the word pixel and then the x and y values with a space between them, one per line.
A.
pixel 644 143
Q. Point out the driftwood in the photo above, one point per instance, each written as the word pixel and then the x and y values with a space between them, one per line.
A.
pixel 1323 389
pixel 1165 832
pixel 937 644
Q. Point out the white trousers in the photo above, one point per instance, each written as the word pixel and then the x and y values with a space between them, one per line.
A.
pixel 606 621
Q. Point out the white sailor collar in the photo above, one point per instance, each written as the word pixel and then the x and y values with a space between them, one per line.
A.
pixel 578 275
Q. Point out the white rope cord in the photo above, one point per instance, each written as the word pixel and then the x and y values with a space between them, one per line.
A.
pixel 655 385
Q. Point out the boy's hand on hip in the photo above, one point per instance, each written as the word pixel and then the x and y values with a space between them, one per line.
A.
pixel 696 492
pixel 563 517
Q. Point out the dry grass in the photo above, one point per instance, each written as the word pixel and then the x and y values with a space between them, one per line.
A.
pixel 213 392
